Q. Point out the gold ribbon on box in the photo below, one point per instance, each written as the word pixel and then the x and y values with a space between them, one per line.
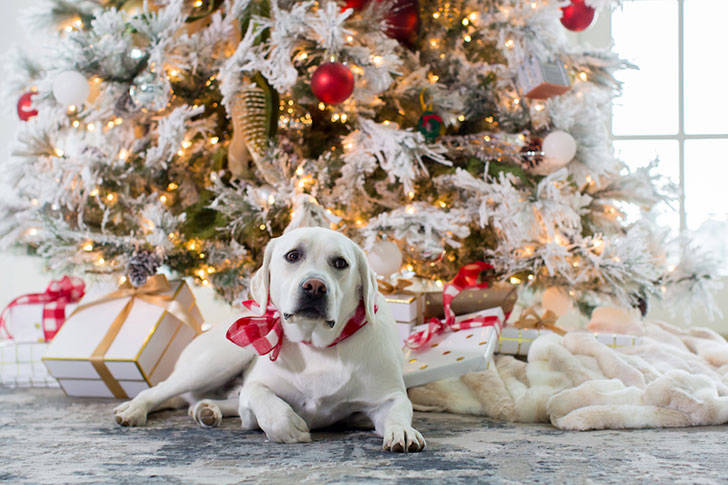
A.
pixel 398 288
pixel 152 292
pixel 529 319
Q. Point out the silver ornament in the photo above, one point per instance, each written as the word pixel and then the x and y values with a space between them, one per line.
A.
pixel 150 91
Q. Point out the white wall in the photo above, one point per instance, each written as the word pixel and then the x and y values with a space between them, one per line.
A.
pixel 23 274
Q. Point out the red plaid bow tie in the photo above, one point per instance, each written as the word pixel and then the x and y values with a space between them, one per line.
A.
pixel 58 294
pixel 466 278
pixel 265 333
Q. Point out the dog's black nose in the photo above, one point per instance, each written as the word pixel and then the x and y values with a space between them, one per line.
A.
pixel 314 287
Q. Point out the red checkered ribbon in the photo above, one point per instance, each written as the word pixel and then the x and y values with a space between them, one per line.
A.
pixel 467 278
pixel 58 294
pixel 265 333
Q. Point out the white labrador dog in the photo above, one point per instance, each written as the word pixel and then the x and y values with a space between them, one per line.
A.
pixel 316 278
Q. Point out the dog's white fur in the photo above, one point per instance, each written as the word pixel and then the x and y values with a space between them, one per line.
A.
pixel 308 386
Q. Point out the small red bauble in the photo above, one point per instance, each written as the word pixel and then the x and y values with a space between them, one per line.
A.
pixel 355 4
pixel 577 16
pixel 332 82
pixel 403 21
pixel 25 107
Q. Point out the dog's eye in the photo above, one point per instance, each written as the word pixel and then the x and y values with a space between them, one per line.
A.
pixel 293 255
pixel 339 263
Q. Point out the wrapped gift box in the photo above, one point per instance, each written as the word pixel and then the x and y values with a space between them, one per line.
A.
pixel 140 355
pixel 516 341
pixel 24 322
pixel 453 353
pixel 21 366
pixel 501 295
pixel 406 308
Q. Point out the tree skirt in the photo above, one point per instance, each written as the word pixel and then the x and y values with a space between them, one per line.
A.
pixel 674 378
pixel 50 438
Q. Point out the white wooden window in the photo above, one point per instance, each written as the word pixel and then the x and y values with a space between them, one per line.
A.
pixel 675 106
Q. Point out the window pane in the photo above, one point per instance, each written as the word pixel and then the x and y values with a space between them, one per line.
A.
pixel 706 172
pixel 706 37
pixel 645 33
pixel 639 153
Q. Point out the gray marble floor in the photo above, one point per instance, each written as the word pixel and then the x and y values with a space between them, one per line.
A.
pixel 49 438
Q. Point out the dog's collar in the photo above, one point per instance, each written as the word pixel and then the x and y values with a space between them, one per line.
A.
pixel 265 333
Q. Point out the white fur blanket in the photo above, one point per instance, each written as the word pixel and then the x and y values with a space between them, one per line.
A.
pixel 674 378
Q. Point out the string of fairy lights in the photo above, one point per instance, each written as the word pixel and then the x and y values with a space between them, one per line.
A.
pixel 295 117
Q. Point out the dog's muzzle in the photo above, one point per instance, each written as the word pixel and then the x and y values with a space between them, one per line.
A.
pixel 312 300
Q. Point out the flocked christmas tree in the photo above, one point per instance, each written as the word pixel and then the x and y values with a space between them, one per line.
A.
pixel 435 133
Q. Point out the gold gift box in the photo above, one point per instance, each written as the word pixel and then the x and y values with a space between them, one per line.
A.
pixel 501 295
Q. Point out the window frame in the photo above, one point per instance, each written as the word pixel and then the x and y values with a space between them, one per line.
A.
pixel 681 136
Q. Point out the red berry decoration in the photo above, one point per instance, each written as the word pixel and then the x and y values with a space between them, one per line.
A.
pixel 577 16
pixel 332 83
pixel 403 21
pixel 25 107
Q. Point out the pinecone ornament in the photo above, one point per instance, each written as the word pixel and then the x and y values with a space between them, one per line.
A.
pixel 142 265
pixel 255 119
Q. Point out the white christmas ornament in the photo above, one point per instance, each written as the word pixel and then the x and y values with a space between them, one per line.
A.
pixel 557 301
pixel 385 258
pixel 71 88
pixel 559 148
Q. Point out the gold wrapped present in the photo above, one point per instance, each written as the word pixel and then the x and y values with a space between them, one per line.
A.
pixel 501 295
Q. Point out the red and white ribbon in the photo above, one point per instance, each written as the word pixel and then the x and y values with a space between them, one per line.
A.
pixel 54 300
pixel 265 333
pixel 467 278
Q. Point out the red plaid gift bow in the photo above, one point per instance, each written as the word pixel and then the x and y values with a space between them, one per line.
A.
pixel 265 333
pixel 58 294
pixel 467 278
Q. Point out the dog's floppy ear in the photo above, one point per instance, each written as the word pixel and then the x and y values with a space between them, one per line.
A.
pixel 260 282
pixel 369 288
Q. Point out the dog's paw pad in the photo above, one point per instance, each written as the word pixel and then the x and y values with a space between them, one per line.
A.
pixel 207 414
pixel 403 439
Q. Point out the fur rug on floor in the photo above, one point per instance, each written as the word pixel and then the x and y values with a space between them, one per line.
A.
pixel 673 378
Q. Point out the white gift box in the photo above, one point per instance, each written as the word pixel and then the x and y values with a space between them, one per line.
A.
pixel 142 353
pixel 516 341
pixel 405 308
pixel 25 322
pixel 453 353
pixel 21 366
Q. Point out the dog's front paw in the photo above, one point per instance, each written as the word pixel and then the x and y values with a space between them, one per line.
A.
pixel 131 413
pixel 207 414
pixel 288 428
pixel 403 439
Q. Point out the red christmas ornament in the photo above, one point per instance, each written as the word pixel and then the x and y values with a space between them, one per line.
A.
pixel 403 21
pixel 25 107
pixel 332 82
pixel 577 16
pixel 355 4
